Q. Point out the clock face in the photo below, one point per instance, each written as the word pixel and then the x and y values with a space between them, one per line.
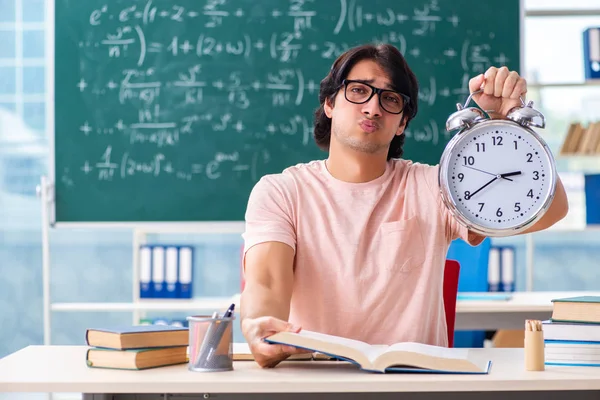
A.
pixel 499 176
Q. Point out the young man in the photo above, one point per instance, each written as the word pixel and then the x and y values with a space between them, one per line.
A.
pixel 355 245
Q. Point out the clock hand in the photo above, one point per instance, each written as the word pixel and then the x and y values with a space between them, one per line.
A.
pixel 480 170
pixel 510 174
pixel 489 173
pixel 478 190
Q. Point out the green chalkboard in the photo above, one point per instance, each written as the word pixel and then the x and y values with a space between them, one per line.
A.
pixel 171 110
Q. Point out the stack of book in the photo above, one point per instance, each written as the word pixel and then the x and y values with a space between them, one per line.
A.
pixel 137 347
pixel 572 335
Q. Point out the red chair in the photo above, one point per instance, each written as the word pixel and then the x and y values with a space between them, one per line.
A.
pixel 451 273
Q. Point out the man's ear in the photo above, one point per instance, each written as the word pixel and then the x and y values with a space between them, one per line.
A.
pixel 328 107
pixel 400 129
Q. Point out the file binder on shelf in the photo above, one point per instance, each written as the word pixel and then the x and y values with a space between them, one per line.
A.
pixel 591 53
pixel 592 199
pixel 158 271
pixel 166 271
pixel 508 269
pixel 494 270
pixel 171 272
pixel 186 262
pixel 146 272
pixel 501 269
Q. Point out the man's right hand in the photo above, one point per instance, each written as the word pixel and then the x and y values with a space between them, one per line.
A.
pixel 268 355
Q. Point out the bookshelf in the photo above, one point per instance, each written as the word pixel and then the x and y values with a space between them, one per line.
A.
pixel 137 306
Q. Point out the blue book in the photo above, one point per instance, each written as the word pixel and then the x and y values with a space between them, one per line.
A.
pixel 582 309
pixel 572 353
pixel 571 331
pixel 137 337
pixel 399 357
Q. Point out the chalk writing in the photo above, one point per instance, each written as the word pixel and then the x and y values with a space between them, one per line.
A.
pixel 217 90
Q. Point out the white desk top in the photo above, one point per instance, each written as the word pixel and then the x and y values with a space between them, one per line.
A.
pixel 63 369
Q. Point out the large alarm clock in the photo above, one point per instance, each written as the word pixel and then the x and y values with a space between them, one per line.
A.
pixel 497 176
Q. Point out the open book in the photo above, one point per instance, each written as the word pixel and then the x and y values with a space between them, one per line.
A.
pixel 400 357
pixel 241 352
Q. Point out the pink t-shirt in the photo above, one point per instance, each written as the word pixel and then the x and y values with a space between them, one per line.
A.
pixel 369 257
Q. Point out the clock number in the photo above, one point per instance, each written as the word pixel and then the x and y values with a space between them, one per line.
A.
pixel 498 212
pixel 482 148
pixel 481 206
pixel 461 176
pixel 515 142
pixel 530 193
pixel 467 195
pixel 469 160
pixel 536 175
pixel 517 207
pixel 529 157
pixel 497 140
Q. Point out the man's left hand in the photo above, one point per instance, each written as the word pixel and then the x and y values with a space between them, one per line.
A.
pixel 501 91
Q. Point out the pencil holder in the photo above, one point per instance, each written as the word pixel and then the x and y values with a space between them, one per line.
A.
pixel 211 342
pixel 534 349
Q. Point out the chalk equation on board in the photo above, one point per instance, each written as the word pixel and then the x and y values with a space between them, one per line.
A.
pixel 155 86
pixel 109 166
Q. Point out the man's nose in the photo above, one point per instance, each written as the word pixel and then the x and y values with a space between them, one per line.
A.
pixel 372 107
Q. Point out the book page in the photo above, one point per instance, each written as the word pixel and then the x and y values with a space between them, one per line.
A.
pixel 435 358
pixel 434 351
pixel 355 344
pixel 371 352
pixel 375 351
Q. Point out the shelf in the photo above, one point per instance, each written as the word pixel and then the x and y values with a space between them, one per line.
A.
pixel 577 156
pixel 563 13
pixel 567 229
pixel 578 163
pixel 208 303
pixel 591 83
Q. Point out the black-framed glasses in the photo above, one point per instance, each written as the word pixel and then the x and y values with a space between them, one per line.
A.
pixel 359 92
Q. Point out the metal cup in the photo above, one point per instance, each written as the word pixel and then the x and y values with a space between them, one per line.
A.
pixel 211 343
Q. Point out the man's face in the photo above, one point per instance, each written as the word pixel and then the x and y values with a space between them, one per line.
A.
pixel 364 127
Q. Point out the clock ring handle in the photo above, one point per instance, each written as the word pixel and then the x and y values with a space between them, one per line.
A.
pixel 523 104
pixel 469 99
pixel 471 96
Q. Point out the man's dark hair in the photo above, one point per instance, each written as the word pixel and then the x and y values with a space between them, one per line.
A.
pixel 393 63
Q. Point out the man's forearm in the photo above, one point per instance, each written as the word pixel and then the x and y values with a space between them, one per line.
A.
pixel 259 300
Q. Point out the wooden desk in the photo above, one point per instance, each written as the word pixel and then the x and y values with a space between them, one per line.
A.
pixel 63 369
pixel 507 314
